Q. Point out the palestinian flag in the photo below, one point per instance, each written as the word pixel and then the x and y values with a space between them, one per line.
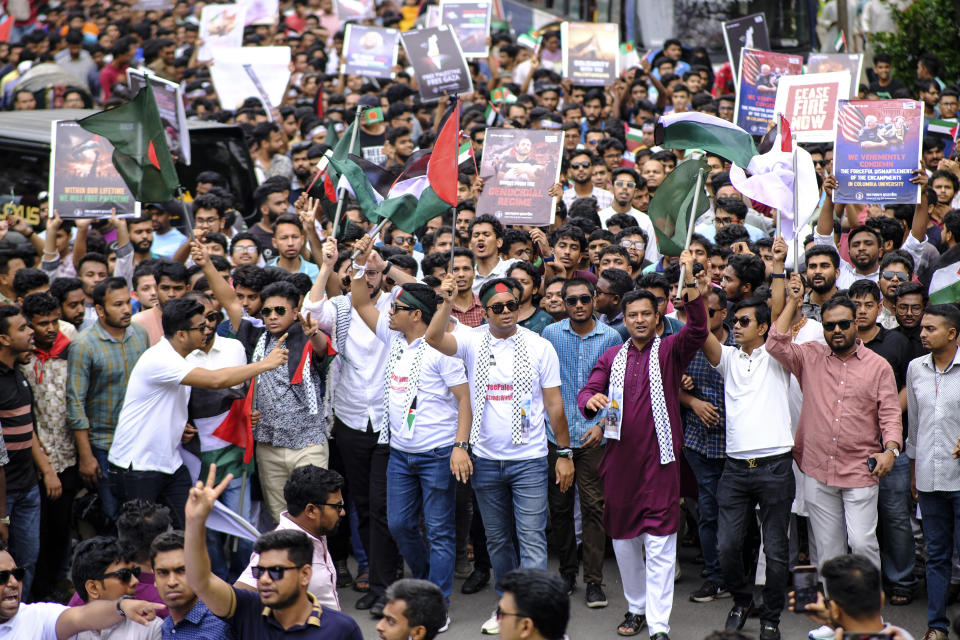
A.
pixel 502 95
pixel 491 115
pixel 464 152
pixel 370 185
pixel 6 26
pixel 371 116
pixel 840 44
pixel 634 138
pixel 140 154
pixel 694 130
pixel 943 128
pixel 945 285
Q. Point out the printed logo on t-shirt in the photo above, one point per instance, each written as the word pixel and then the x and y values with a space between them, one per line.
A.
pixel 498 392
pixel 399 383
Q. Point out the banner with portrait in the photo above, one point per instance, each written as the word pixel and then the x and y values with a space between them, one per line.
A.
pixel 470 20
pixel 852 63
pixel 437 62
pixel 221 25
pixel 760 73
pixel 590 53
pixel 747 32
pixel 369 51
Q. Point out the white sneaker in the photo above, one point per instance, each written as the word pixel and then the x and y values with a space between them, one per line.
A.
pixel 492 626
pixel 821 633
pixel 445 626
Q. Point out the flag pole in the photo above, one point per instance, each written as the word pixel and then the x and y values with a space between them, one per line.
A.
pixel 341 193
pixel 796 206
pixel 779 118
pixel 373 233
pixel 693 221
pixel 187 214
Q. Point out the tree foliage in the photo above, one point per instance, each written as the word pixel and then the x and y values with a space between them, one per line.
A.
pixel 924 26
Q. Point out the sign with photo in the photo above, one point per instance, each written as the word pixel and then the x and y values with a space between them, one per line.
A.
pixel 221 25
pixel 747 32
pixel 369 51
pixel 591 53
pixel 852 63
pixel 760 73
pixel 169 98
pixel 470 20
pixel 519 166
pixel 437 62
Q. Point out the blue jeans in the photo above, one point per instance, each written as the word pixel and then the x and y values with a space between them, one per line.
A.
pixel 24 511
pixel 940 511
pixel 424 480
pixel 108 501
pixel 894 530
pixel 708 472
pixel 508 491
pixel 230 569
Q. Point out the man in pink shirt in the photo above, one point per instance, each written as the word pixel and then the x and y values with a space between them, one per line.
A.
pixel 850 430
pixel 314 506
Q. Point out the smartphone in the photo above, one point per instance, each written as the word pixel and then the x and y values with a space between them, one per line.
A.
pixel 804 587
pixel 871 464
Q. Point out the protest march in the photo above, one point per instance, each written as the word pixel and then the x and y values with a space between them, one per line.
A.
pixel 352 318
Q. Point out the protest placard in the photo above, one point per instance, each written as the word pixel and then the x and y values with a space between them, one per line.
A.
pixel 83 181
pixel 519 166
pixel 852 63
pixel 354 10
pixel 809 103
pixel 748 31
pixel 876 151
pixel 591 53
pixel 221 25
pixel 260 11
pixel 369 51
pixel 760 73
pixel 169 98
pixel 233 84
pixel 437 62
pixel 470 20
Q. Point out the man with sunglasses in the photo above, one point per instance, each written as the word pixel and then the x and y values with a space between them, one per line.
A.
pixel 626 182
pixel 896 268
pixel 579 340
pixel 52 621
pixel 850 413
pixel 635 386
pixel 282 603
pixel 580 172
pixel 101 571
pixel 515 383
pixel 146 463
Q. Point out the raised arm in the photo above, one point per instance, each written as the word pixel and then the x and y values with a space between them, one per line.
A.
pixel 328 258
pixel 825 221
pixel 780 343
pixel 222 290
pixel 358 286
pixel 51 257
pixel 778 288
pixel 921 213
pixel 231 376
pixel 80 241
pixel 101 614
pixel 437 336
pixel 217 594
pixel 794 299
pixel 308 217
pixel 124 266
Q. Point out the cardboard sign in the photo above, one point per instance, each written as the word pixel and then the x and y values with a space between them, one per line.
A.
pixel 233 84
pixel 169 98
pixel 591 53
pixel 810 103
pixel 747 32
pixel 519 166
pixel 470 20
pixel 260 11
pixel 221 25
pixel 83 181
pixel 760 73
pixel 876 151
pixel 437 62
pixel 369 51
pixel 852 63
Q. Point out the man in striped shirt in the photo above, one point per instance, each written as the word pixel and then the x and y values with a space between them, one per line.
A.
pixel 21 495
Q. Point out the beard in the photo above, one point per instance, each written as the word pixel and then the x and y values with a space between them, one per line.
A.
pixel 826 287
pixel 584 181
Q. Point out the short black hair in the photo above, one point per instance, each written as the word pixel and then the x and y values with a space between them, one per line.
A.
pixel 864 288
pixel 90 562
pixel 39 304
pixel 145 268
pixel 91 256
pixel 853 582
pixel 619 280
pixel 540 596
pixel 654 281
pixel 749 269
pixel 310 484
pixel 733 206
pixel 571 232
pixel 60 287
pixel 138 523
pixel 176 315
pixel 948 312
pixel 294 541
pixel 535 276
pixel 425 604
pixel 760 309
pixel 29 279
pixel 839 300
pixel 823 250
pixel 171 269
pixel 245 235
pixel 578 282
pixel 639 294
pixel 102 289
pixel 487 219
pixel 281 289
pixel 250 277
pixel 166 541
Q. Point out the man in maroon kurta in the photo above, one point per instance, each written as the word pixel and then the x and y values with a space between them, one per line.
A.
pixel 641 494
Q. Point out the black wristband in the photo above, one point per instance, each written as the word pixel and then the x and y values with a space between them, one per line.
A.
pixel 778 275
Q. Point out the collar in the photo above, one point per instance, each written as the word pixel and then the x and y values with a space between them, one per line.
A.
pixel 197 613
pixel 857 353
pixel 565 326
pixel 286 522
pixel 106 337
pixel 313 620
pixel 509 339
pixel 927 361
pixel 756 353
pixel 60 345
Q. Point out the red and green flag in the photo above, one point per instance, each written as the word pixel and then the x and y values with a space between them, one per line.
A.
pixel 372 116
pixel 502 95
pixel 141 154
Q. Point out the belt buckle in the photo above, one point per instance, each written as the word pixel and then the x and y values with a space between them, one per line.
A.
pixel 752 463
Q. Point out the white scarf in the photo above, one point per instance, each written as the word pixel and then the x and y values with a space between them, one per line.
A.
pixel 522 385
pixel 413 382
pixel 661 418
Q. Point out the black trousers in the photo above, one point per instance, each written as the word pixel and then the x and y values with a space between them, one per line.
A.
pixel 365 463
pixel 56 527
pixel 769 485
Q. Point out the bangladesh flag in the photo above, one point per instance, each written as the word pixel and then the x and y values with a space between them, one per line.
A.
pixel 141 154
pixel 502 95
pixel 670 208
pixel 372 116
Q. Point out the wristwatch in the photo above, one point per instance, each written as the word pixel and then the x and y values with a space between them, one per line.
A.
pixel 692 285
pixel 120 602
pixel 386 268
pixel 565 452
pixel 896 451
pixel 463 445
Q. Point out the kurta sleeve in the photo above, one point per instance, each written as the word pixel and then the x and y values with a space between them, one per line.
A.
pixel 598 381
pixel 691 337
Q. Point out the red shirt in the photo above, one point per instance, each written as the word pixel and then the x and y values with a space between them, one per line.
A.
pixel 110 76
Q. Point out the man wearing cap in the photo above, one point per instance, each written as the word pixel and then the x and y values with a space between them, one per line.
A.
pixel 426 411
pixel 515 383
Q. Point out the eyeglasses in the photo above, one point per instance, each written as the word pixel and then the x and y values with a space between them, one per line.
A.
pixel 624 183
pixel 246 249
pixel 583 299
pixel 123 575
pixel 202 327
pixel 498 307
pixel 843 324
pixel 895 275
pixel 593 143
pixel 635 244
pixel 910 308
pixel 18 574
pixel 606 293
pixel 502 614
pixel 579 165
pixel 275 573
pixel 266 311
pixel 743 321
pixel 399 307
pixel 339 506
pixel 404 240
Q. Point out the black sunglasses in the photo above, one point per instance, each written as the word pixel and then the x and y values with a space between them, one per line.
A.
pixel 399 307
pixel 498 307
pixel 123 575
pixel 266 311
pixel 579 165
pixel 583 299
pixel 743 321
pixel 18 573
pixel 843 324
pixel 275 573
pixel 714 312
pixel 895 275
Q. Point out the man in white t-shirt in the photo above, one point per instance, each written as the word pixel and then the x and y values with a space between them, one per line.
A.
pixel 52 621
pixel 515 382
pixel 625 181
pixel 427 411
pixel 144 457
